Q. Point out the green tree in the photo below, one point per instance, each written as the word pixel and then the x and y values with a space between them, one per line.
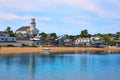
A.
pixel 34 35
pixel 98 34
pixel 10 32
pixel 112 43
pixel 117 35
pixel 43 34
pixel 111 35
pixel 8 29
pixel 53 34
pixel 106 37
pixel 74 36
pixel 84 33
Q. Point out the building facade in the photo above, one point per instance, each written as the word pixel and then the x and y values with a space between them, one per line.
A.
pixel 93 41
pixel 28 31
pixel 64 40
pixel 6 39
pixel 82 41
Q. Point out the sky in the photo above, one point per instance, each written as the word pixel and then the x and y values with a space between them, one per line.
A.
pixel 62 16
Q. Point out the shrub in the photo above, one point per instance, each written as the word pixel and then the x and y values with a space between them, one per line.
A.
pixel 23 45
pixel 10 45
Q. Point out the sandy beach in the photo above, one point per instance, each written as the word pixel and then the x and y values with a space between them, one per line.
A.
pixel 16 50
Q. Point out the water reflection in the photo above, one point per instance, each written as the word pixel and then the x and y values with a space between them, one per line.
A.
pixel 60 66
pixel 32 66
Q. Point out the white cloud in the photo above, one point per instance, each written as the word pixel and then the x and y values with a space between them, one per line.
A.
pixel 95 7
pixel 27 5
pixel 115 2
pixel 11 16
pixel 17 4
pixel 49 5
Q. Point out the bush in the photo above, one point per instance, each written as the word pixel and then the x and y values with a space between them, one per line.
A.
pixel 23 45
pixel 10 45
pixel 34 46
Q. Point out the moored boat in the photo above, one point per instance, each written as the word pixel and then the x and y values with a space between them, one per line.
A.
pixel 46 48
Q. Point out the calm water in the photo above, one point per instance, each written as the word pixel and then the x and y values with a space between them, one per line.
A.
pixel 60 66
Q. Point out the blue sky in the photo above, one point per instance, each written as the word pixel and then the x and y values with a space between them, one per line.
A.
pixel 62 16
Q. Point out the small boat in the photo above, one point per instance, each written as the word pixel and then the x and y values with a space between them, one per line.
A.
pixel 46 51
pixel 46 48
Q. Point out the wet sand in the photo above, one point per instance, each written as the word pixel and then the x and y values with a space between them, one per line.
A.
pixel 16 50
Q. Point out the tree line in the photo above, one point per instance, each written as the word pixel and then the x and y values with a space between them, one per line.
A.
pixel 83 34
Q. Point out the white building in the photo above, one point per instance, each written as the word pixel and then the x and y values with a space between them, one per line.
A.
pixel 81 41
pixel 5 40
pixel 38 39
pixel 27 42
pixel 28 31
pixel 89 41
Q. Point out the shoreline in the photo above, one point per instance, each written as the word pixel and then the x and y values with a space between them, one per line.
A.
pixel 17 50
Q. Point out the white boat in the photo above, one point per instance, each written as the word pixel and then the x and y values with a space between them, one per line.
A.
pixel 46 48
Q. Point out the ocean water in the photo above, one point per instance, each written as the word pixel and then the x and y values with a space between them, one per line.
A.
pixel 60 66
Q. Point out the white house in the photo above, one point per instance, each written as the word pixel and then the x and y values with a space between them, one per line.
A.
pixel 81 41
pixel 117 42
pixel 97 41
pixel 5 39
pixel 38 39
pixel 28 31
pixel 27 42
pixel 89 41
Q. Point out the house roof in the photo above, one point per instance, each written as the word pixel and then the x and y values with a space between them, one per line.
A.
pixel 23 28
pixel 67 40
pixel 3 33
pixel 22 39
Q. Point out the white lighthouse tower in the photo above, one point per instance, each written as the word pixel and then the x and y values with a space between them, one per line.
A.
pixel 33 29
pixel 32 23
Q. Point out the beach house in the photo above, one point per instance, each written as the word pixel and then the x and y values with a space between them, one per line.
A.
pixel 68 42
pixel 117 42
pixel 6 39
pixel 97 41
pixel 93 41
pixel 38 39
pixel 82 41
pixel 64 40
pixel 49 40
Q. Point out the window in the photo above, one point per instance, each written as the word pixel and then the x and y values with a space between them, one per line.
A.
pixel 6 39
pixel 2 39
pixel 13 39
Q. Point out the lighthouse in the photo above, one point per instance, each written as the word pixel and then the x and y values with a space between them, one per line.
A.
pixel 32 23
pixel 33 29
